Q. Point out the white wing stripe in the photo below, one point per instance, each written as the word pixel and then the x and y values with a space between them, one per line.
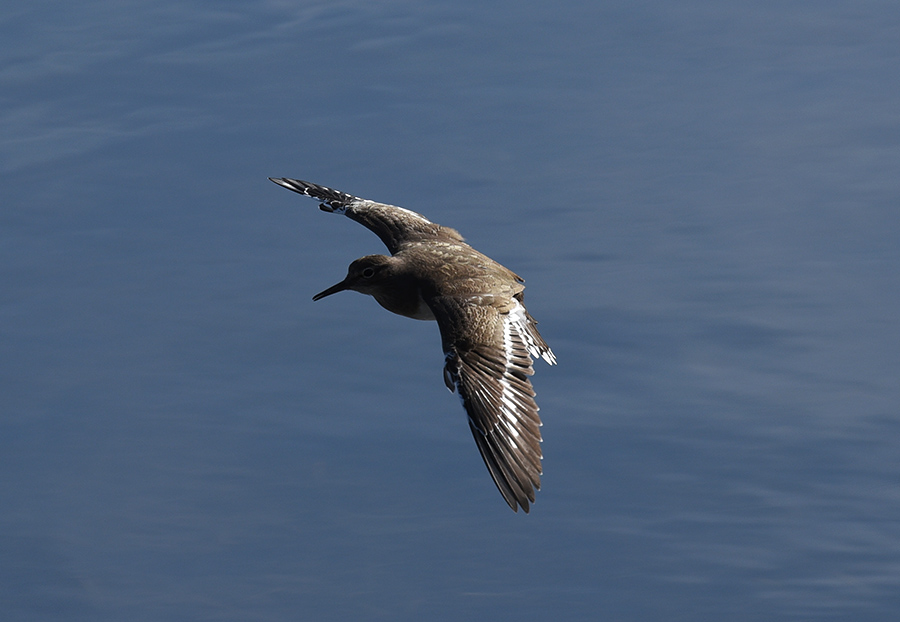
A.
pixel 518 317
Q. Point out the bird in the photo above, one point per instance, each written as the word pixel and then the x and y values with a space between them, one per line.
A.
pixel 488 337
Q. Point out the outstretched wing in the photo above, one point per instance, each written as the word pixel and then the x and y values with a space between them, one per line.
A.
pixel 393 225
pixel 488 342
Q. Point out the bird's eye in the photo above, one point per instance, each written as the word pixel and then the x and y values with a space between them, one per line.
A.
pixel 368 273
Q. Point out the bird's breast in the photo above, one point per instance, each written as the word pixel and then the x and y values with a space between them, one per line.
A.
pixel 407 302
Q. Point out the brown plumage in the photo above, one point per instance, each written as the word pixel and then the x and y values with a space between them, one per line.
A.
pixel 489 338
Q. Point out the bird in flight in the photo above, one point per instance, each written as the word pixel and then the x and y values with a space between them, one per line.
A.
pixel 489 338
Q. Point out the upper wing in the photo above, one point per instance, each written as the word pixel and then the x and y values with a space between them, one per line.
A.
pixel 488 342
pixel 393 225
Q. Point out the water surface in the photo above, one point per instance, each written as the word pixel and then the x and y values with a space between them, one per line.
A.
pixel 702 198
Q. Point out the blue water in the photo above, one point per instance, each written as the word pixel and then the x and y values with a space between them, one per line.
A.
pixel 702 196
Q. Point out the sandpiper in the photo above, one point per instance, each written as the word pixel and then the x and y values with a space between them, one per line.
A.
pixel 488 336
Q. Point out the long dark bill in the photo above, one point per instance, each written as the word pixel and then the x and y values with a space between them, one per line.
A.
pixel 342 286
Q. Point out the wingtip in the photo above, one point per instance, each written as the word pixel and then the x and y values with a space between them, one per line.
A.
pixel 284 182
pixel 516 503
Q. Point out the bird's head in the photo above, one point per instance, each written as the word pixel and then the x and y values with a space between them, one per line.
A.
pixel 365 275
